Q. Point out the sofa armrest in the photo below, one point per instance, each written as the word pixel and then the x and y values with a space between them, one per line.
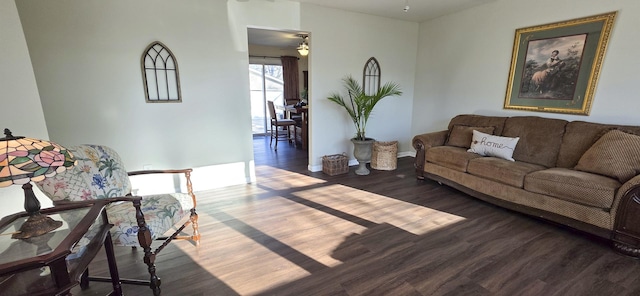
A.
pixel 625 213
pixel 423 142
pixel 623 191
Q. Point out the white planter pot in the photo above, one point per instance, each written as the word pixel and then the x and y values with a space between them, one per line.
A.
pixel 362 153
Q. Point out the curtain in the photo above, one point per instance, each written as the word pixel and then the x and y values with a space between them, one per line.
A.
pixel 291 80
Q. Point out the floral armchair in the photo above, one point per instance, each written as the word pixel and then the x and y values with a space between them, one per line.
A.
pixel 100 174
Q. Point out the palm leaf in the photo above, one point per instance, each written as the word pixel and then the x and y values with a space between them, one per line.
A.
pixel 360 105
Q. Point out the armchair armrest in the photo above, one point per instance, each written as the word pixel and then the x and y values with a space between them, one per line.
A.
pixel 423 142
pixel 65 203
pixel 194 216
pixel 146 172
pixel 186 172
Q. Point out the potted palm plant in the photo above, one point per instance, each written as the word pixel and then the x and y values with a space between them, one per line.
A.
pixel 359 106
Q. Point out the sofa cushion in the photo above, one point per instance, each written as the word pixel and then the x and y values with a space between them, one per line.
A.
pixel 479 120
pixel 576 186
pixel 579 136
pixel 501 170
pixel 455 158
pixel 460 135
pixel 488 145
pixel 540 138
pixel 616 154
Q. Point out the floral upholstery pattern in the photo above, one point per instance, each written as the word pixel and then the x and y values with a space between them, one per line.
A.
pixel 100 174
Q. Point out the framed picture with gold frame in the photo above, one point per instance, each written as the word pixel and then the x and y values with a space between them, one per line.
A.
pixel 555 67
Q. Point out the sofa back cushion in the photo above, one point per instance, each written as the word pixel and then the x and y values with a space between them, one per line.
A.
pixel 580 136
pixel 540 138
pixel 461 135
pixel 616 154
pixel 479 121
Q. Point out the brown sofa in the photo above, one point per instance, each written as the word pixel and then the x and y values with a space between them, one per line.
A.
pixel 580 174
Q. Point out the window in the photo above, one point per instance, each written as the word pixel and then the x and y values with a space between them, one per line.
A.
pixel 371 76
pixel 265 82
pixel 160 73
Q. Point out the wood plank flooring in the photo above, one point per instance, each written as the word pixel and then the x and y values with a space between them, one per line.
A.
pixel 300 233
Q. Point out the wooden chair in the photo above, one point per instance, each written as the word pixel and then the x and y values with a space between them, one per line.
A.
pixel 291 101
pixel 100 174
pixel 277 123
pixel 296 117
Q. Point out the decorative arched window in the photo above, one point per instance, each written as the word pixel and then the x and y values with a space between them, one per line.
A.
pixel 160 72
pixel 371 76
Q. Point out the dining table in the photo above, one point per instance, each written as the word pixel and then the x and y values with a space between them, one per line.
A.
pixel 303 111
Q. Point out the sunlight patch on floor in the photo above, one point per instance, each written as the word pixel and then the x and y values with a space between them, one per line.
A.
pixel 291 227
pixel 311 232
pixel 278 179
pixel 243 263
pixel 380 209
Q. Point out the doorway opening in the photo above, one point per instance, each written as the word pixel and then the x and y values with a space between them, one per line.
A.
pixel 278 72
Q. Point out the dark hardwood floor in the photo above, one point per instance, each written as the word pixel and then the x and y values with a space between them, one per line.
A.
pixel 300 233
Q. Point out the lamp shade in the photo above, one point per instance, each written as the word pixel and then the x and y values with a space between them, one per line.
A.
pixel 303 50
pixel 25 159
pixel 303 47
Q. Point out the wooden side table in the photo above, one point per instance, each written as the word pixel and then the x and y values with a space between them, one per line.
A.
pixel 51 264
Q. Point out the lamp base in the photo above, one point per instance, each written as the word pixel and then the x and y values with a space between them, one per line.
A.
pixel 36 225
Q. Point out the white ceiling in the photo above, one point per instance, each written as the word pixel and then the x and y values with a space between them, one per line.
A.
pixel 280 39
pixel 419 11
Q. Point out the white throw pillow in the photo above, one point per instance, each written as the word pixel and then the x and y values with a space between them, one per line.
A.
pixel 490 145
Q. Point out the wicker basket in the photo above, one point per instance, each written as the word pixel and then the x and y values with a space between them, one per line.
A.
pixel 335 164
pixel 384 156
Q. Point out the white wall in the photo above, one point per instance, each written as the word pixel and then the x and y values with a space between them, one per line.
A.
pixel 464 60
pixel 86 57
pixel 21 109
pixel 341 43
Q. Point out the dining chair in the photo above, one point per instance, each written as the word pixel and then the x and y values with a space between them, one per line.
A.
pixel 292 101
pixel 277 123
pixel 296 117
pixel 100 174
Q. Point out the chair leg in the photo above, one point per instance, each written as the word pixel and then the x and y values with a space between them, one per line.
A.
pixel 271 137
pixel 113 266
pixel 144 238
pixel 276 146
pixel 194 224
pixel 84 279
pixel 295 136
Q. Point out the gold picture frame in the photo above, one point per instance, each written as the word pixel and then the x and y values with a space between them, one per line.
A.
pixel 555 67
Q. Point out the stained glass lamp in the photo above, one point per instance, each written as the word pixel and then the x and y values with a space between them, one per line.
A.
pixel 23 160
